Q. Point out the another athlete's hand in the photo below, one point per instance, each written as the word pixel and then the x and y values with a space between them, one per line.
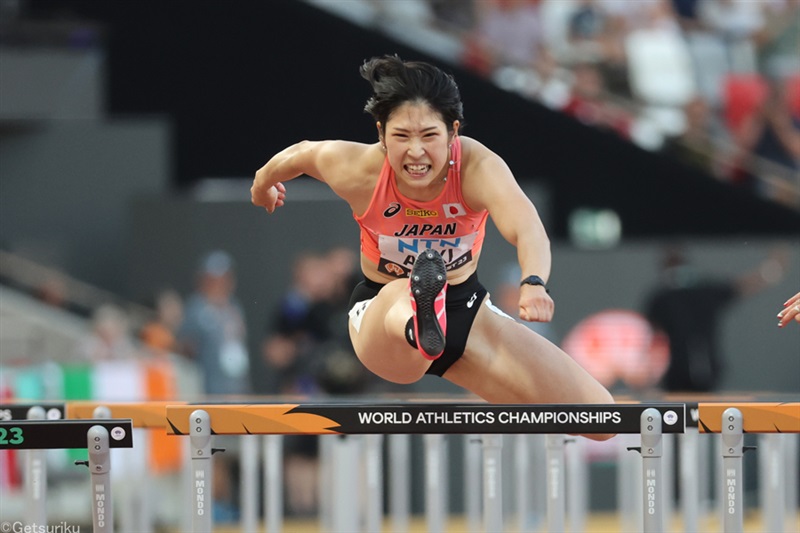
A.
pixel 535 305
pixel 270 198
pixel 790 311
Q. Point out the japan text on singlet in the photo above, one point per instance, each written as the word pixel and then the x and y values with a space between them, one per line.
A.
pixel 395 229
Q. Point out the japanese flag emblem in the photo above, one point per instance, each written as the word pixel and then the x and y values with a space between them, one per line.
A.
pixel 453 210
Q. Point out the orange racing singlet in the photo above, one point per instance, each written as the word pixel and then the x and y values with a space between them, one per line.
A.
pixel 395 229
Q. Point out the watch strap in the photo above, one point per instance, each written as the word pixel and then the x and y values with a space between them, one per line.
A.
pixel 534 280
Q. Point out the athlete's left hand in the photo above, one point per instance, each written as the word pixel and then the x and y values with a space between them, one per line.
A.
pixel 790 311
pixel 535 305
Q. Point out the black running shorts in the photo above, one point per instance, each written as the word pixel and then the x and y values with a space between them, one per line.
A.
pixel 462 304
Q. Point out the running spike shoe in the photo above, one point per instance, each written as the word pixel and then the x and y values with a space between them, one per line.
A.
pixel 428 285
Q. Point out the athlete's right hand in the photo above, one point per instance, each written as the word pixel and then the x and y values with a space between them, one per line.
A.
pixel 268 198
pixel 535 304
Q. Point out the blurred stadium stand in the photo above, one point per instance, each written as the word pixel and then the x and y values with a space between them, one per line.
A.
pixel 239 84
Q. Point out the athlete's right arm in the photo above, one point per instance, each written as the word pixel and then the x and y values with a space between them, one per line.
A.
pixel 268 190
pixel 321 160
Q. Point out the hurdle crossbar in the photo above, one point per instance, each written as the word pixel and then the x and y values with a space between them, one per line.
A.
pixel 422 418
pixel 757 417
pixel 146 415
pixel 20 411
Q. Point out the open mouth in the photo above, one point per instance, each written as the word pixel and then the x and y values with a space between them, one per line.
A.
pixel 417 170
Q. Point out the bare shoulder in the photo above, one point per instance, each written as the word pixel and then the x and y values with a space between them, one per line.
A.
pixel 330 155
pixel 484 174
pixel 350 169
pixel 479 163
pixel 476 156
pixel 348 162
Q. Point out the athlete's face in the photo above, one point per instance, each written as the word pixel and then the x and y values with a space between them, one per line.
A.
pixel 418 146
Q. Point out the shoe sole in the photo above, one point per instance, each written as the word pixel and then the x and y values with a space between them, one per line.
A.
pixel 428 278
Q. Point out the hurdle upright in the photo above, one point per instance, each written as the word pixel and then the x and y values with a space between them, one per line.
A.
pixel 96 436
pixel 362 418
pixel 136 514
pixel 734 419
pixel 35 466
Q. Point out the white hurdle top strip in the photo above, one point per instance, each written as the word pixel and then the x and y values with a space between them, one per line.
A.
pixel 423 418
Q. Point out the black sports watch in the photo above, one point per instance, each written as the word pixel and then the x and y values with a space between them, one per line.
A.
pixel 534 280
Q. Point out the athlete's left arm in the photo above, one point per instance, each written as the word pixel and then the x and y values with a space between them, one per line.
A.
pixel 489 184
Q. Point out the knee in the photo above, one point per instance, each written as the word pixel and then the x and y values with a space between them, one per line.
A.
pixel 397 365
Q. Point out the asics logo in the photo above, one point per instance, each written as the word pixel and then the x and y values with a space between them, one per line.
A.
pixel 472 300
pixel 392 210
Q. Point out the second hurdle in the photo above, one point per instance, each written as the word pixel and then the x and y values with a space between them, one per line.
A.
pixel 201 422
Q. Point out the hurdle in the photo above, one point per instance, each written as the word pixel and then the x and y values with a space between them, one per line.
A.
pixel 147 415
pixel 151 415
pixel 360 427
pixel 35 463
pixel 96 436
pixel 777 426
pixel 201 421
pixel 769 420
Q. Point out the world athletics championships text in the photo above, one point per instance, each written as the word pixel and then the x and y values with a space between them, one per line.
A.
pixel 490 417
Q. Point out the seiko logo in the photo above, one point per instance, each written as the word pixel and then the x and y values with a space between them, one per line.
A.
pixel 422 213
pixel 392 210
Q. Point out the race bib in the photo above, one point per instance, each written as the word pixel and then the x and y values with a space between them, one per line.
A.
pixel 399 253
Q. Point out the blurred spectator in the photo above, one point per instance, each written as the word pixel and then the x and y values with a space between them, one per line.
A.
pixel 591 104
pixel 659 62
pixel 158 334
pixel 455 16
pixel 778 41
pixel 213 329
pixel 701 144
pixel 770 137
pixel 213 333
pixel 110 336
pixel 342 264
pixel 408 11
pixel 686 14
pixel 623 18
pixel 593 35
pixel 588 24
pixel 687 307
pixel 627 15
pixel 53 291
pixel 736 23
pixel 307 350
pixel 507 34
pixel 309 326
pixel 553 83
pixel 300 322
pixel 225 494
pixel 654 71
